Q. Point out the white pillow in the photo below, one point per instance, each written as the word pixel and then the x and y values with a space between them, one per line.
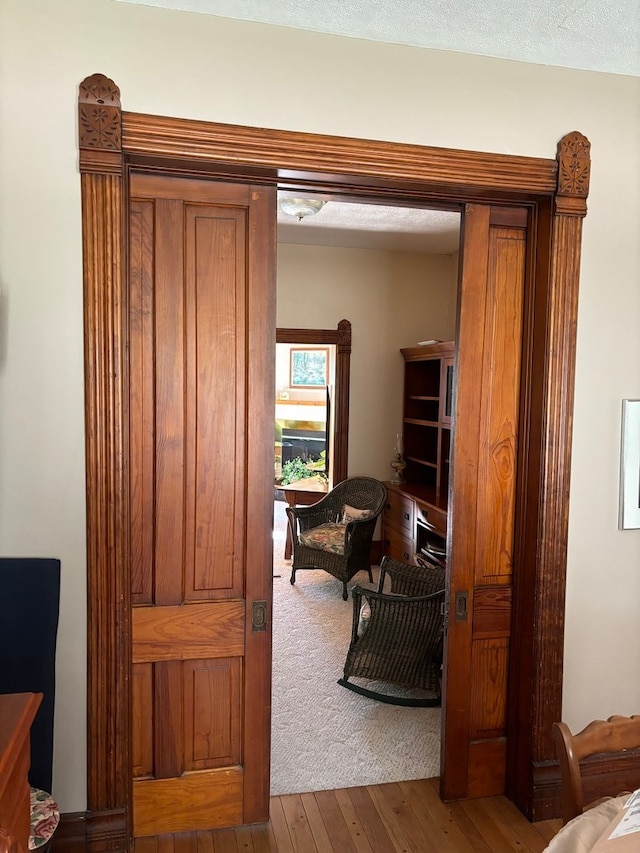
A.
pixel 363 619
pixel 351 513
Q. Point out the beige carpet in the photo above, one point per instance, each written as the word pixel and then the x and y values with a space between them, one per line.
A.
pixel 324 736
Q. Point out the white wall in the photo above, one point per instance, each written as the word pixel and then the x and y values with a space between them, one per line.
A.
pixel 393 300
pixel 203 67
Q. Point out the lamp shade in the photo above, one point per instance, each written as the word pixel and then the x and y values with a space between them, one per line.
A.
pixel 301 207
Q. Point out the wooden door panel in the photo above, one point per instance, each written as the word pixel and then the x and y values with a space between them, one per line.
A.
pixel 215 401
pixel 181 632
pixel 497 460
pixel 142 720
pixel 486 770
pixel 168 426
pixel 482 502
pixel 202 321
pixel 167 715
pixel 212 738
pixel 488 692
pixel 141 398
pixel 492 612
pixel 195 801
pixel 197 705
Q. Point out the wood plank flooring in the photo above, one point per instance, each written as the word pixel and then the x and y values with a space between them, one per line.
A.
pixel 399 817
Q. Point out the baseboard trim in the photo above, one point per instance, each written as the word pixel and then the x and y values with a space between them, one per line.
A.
pixel 547 788
pixel 71 833
pixel 93 832
pixel 602 775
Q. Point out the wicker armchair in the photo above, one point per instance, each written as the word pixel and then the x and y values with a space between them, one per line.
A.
pixel 335 533
pixel 397 634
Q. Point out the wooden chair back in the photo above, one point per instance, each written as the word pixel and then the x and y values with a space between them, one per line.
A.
pixel 615 734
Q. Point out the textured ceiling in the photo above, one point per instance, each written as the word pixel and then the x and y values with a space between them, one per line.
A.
pixel 367 226
pixel 591 35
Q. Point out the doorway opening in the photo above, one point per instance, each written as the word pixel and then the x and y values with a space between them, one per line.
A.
pixel 305 381
pixel 393 271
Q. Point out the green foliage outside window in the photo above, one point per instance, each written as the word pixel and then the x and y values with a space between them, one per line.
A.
pixel 297 469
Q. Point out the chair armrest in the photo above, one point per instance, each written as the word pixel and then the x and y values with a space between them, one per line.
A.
pixel 309 516
pixel 375 595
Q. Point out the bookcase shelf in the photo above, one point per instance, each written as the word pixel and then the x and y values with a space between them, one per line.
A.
pixel 420 461
pixel 414 522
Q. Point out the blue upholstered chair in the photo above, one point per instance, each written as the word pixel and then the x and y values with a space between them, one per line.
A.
pixel 29 606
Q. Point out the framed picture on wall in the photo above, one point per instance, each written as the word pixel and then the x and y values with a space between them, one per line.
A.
pixel 630 466
pixel 309 367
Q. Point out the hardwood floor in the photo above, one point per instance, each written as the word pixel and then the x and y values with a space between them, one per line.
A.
pixel 402 817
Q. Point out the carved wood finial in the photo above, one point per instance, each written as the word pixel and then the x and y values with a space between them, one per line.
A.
pixel 100 125
pixel 344 335
pixel 574 170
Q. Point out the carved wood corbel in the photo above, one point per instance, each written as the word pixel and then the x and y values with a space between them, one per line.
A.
pixel 574 171
pixel 100 126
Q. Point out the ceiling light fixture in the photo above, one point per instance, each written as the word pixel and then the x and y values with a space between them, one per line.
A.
pixel 301 207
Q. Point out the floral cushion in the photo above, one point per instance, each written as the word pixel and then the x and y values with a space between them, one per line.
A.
pixel 351 513
pixel 45 817
pixel 325 537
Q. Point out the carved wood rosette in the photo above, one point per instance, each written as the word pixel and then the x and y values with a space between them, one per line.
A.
pixel 102 182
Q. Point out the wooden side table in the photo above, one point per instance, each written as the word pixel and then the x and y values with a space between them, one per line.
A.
pixel 17 711
pixel 301 493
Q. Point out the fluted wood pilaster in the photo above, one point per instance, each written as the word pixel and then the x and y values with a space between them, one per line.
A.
pixel 107 564
pixel 570 208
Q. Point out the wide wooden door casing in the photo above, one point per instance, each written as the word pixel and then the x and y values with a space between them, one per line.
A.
pixel 482 501
pixel 112 141
pixel 201 338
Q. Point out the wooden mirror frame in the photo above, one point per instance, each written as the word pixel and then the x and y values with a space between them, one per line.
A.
pixel 111 142
pixel 341 338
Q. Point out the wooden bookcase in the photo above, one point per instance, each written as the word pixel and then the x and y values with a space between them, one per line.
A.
pixel 414 521
pixel 428 386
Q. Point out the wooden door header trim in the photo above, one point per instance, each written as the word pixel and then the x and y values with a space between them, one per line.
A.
pixel 341 336
pixel 290 154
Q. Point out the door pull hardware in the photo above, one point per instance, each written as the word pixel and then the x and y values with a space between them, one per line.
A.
pixel 259 616
pixel 461 605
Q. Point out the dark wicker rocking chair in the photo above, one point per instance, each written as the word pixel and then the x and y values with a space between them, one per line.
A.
pixel 335 533
pixel 397 637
